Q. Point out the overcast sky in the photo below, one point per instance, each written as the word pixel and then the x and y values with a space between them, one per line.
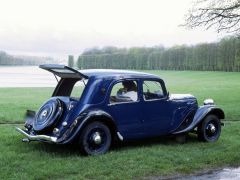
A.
pixel 61 27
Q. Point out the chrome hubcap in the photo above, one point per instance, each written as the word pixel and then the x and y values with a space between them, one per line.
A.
pixel 211 128
pixel 44 114
pixel 97 138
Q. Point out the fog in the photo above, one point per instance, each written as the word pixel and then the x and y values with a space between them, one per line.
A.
pixel 61 27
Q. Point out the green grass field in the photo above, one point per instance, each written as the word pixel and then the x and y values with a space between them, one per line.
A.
pixel 223 87
pixel 157 157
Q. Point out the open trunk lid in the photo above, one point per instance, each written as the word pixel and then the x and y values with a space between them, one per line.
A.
pixel 63 71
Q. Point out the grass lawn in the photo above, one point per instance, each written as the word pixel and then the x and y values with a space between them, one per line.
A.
pixel 15 101
pixel 157 157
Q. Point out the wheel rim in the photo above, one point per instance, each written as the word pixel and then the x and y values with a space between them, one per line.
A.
pixel 96 140
pixel 211 130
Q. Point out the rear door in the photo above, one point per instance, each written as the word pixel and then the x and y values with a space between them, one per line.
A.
pixel 126 111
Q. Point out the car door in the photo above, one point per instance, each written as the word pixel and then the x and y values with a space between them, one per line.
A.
pixel 126 112
pixel 156 108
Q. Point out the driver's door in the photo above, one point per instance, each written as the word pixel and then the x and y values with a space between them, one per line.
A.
pixel 156 108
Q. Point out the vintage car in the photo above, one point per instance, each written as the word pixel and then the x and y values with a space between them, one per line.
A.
pixel 94 107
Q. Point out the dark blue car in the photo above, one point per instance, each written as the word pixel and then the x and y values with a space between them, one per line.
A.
pixel 94 107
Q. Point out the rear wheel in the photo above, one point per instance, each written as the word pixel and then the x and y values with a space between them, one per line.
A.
pixel 95 139
pixel 210 129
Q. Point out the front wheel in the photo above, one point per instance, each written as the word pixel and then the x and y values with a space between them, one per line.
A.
pixel 210 129
pixel 95 139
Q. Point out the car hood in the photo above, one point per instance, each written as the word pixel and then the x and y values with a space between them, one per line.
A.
pixel 181 97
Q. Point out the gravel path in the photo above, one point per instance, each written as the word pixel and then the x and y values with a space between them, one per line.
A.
pixel 224 174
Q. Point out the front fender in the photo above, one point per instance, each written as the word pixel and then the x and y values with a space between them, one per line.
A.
pixel 201 113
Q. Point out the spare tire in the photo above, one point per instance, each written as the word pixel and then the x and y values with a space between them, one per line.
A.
pixel 48 114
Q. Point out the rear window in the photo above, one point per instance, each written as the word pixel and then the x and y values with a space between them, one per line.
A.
pixel 63 71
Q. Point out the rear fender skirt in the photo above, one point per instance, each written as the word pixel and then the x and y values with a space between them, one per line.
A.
pixel 88 118
pixel 201 113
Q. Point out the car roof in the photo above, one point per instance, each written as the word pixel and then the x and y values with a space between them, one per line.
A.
pixel 114 73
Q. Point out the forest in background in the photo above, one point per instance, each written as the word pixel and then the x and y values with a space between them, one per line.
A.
pixel 11 60
pixel 217 56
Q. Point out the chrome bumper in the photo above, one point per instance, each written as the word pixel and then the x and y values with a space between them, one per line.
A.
pixel 37 137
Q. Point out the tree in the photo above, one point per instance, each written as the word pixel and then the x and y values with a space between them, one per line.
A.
pixel 70 61
pixel 218 56
pixel 224 15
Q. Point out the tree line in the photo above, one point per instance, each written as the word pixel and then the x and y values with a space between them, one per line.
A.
pixel 218 56
pixel 6 59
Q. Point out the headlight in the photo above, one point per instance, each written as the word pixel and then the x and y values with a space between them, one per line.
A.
pixel 208 102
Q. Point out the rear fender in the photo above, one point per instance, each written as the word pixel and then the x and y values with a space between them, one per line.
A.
pixel 96 115
pixel 201 113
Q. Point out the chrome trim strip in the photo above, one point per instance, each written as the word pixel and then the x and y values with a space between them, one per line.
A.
pixel 37 137
pixel 124 102
pixel 120 136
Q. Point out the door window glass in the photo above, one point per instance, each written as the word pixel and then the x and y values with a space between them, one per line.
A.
pixel 152 90
pixel 124 91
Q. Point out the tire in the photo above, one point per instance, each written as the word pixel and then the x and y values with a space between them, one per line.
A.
pixel 210 129
pixel 95 139
pixel 48 114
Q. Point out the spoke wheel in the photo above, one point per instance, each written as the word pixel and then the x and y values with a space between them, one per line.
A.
pixel 210 129
pixel 95 139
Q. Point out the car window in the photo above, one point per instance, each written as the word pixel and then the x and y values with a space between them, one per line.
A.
pixel 78 89
pixel 152 90
pixel 124 91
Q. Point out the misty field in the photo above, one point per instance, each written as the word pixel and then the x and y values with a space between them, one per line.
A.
pixel 139 159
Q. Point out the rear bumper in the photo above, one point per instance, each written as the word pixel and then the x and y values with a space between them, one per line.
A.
pixel 37 137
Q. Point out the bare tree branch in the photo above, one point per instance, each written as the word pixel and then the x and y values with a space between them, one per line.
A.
pixel 222 15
